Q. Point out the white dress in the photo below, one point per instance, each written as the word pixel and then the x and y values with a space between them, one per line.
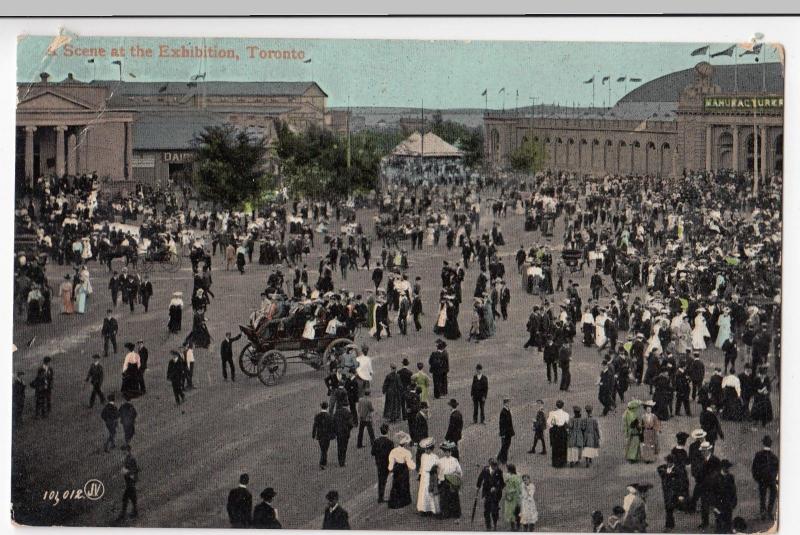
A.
pixel 427 502
pixel 654 342
pixel 699 333
pixel 528 514
pixel 600 330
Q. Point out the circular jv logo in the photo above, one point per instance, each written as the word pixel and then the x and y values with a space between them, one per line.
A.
pixel 94 489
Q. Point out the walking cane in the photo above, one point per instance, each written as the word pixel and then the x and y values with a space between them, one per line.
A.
pixel 474 506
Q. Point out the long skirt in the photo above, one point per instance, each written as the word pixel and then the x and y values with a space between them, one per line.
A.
pixel 131 383
pixel 762 409
pixel 590 453
pixel 650 446
pixel 558 445
pixel 449 501
pixel 732 408
pixel 573 455
pixel 400 495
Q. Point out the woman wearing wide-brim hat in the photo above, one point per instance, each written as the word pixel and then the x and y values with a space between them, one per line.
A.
pixel 401 463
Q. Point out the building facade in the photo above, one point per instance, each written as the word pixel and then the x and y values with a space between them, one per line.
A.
pixel 145 131
pixel 703 118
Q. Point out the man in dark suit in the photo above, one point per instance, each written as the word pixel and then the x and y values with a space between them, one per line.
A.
pixel 491 483
pixel 765 473
pixel 679 452
pixel 48 374
pixel 95 378
pixel 455 426
pixel 144 355
pixel 747 382
pixel 703 489
pixel 381 448
pixel 323 432
pixel 109 332
pixel 405 374
pixel 506 432
pixel 226 352
pixel 240 504
pixel 343 423
pixel 722 489
pixel 439 364
pixel 710 424
pixel 697 372
pixel 115 284
pixel 682 391
pixel 335 516
pixel 176 370
pixel 478 393
pixel 146 292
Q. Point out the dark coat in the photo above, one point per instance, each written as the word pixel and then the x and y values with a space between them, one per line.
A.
pixel 264 517
pixel 506 423
pixel 710 424
pixel 380 450
pixel 343 422
pixel 95 375
pixel 480 387
pixel 176 370
pixel 405 377
pixel 240 506
pixel 765 467
pixel 491 484
pixel 226 347
pixel 336 519
pixel 454 426
pixel 722 490
pixel 323 427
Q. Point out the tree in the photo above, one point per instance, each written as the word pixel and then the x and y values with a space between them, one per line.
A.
pixel 230 166
pixel 469 140
pixel 529 157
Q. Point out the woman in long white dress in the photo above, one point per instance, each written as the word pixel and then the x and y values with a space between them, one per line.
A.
pixel 600 329
pixel 528 513
pixel 724 324
pixel 428 494
pixel 700 331
pixel 655 340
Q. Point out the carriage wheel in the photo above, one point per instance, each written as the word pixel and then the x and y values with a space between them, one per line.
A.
pixel 337 348
pixel 249 360
pixel 272 367
pixel 314 359
pixel 172 264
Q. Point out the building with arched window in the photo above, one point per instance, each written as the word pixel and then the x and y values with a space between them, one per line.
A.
pixel 708 117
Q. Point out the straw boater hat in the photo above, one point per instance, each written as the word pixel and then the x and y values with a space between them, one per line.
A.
pixel 705 446
pixel 402 438
pixel 426 443
pixel 698 434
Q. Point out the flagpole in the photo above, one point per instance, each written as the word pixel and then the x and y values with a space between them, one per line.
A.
pixel 593 92
pixel 516 104
pixel 735 72
pixel 763 68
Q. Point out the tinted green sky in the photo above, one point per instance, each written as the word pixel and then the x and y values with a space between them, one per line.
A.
pixel 446 74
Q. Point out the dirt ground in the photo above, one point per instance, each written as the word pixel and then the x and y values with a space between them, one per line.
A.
pixel 191 456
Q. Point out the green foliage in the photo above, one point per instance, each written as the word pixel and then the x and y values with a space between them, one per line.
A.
pixel 314 163
pixel 230 166
pixel 530 157
pixel 469 140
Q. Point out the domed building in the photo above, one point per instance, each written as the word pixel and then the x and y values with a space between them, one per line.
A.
pixel 707 117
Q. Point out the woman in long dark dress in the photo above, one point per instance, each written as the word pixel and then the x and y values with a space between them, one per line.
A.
pixel 762 406
pixel 175 313
pixel 199 334
pixel 450 482
pixel 45 310
pixel 451 330
pixel 401 462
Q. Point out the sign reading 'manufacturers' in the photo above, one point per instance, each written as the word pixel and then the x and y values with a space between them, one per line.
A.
pixel 742 103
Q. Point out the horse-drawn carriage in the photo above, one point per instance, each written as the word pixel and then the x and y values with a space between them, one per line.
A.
pixel 162 253
pixel 264 357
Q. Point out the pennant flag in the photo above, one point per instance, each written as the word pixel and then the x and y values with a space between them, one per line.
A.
pixel 589 81
pixel 198 76
pixel 727 52
pixel 131 75
pixel 31 341
pixel 162 88
pixel 621 79
pixel 117 62
pixel 606 79
pixel 503 90
pixel 634 79
pixel 702 51
pixel 752 50
pixel 484 92
pixel 307 61
pixel 90 60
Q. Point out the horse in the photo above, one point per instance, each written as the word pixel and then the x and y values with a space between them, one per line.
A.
pixel 107 253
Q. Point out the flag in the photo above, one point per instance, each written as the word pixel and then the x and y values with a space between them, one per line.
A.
pixel 621 79
pixel 503 90
pixel 307 61
pixel 484 92
pixel 606 79
pixel 117 62
pixel 702 51
pixel 727 52
pixel 131 75
pixel 90 60
pixel 634 79
pixel 162 88
pixel 752 50
pixel 198 76
pixel 589 81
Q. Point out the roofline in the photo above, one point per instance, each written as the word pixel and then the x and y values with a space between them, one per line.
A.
pixel 104 83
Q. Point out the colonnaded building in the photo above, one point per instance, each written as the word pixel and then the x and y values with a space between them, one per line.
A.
pixel 708 117
pixel 143 131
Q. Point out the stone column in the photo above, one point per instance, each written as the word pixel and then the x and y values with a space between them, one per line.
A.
pixel 763 169
pixel 708 147
pixel 72 146
pixel 30 172
pixel 60 150
pixel 128 151
pixel 735 156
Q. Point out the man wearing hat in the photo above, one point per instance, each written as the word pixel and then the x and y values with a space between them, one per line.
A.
pixel 176 370
pixel 765 474
pixel 478 392
pixel 130 472
pixel 95 378
pixel 455 426
pixel 335 517
pixel 439 364
pixel 380 451
pixel 323 431
pixel 702 489
pixel 506 424
pixel 491 484
pixel 18 399
pixel 675 487
pixel 722 494
pixel 697 372
pixel 679 452
pixel 710 424
pixel 109 332
pixel 637 352
pixel 264 515
pixel 226 353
